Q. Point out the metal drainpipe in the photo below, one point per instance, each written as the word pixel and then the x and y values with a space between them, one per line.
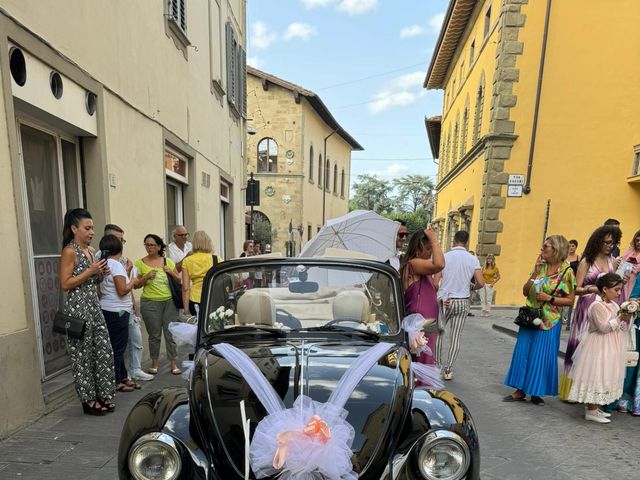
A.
pixel 534 128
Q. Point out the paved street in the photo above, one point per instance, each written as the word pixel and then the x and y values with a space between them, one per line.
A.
pixel 518 441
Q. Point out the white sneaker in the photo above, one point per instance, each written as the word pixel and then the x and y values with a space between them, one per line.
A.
pixel 143 376
pixel 447 374
pixel 602 413
pixel 593 416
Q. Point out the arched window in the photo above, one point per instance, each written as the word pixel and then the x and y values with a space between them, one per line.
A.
pixel 456 141
pixel 342 184
pixel 477 118
pixel 465 127
pixel 327 176
pixel 311 163
pixel 267 156
pixel 335 179
pixel 320 171
pixel 448 164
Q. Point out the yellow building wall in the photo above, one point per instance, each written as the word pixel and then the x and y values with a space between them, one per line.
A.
pixel 587 127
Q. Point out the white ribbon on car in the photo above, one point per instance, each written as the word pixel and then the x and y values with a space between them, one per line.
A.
pixel 310 440
pixel 428 375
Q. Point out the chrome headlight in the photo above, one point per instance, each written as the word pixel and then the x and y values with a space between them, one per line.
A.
pixel 154 456
pixel 444 455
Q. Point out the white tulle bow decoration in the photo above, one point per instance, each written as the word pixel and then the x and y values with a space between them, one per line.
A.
pixel 413 325
pixel 310 440
pixel 428 375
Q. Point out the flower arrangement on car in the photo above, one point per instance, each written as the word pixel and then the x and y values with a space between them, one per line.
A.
pixel 218 318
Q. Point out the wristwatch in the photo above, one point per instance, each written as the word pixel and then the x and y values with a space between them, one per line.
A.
pixel 552 300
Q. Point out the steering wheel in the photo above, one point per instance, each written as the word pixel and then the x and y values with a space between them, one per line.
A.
pixel 338 321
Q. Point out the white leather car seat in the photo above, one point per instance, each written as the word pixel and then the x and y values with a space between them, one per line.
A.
pixel 256 307
pixel 351 305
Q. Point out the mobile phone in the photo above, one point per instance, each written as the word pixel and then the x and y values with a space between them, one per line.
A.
pixel 104 254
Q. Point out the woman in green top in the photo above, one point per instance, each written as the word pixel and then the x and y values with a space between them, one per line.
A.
pixel 156 305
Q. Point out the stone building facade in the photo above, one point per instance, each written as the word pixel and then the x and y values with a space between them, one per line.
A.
pixel 133 110
pixel 300 155
pixel 524 130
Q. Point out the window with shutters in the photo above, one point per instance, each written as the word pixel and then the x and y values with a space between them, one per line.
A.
pixel 176 18
pixel 236 72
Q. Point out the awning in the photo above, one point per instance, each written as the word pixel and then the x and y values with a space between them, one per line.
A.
pixel 468 205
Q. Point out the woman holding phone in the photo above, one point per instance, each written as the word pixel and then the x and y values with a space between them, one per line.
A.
pixel 91 355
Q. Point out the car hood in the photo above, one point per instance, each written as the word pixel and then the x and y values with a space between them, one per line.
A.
pixel 375 408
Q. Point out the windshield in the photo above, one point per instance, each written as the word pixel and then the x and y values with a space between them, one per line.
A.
pixel 302 297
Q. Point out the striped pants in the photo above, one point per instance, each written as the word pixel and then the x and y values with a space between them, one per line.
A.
pixel 453 316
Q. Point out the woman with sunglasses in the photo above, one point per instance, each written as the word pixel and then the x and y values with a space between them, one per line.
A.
pixel 156 304
pixel 596 260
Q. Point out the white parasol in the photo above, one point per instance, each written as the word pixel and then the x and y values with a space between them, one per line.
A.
pixel 360 231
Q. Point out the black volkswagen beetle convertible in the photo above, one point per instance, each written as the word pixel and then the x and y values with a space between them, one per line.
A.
pixel 278 342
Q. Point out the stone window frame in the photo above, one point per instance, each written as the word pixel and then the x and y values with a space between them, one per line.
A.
pixel 456 141
pixel 342 178
pixel 465 128
pixel 472 51
pixel 327 175
pixel 335 179
pixel 175 14
pixel 311 164
pixel 478 109
pixel 320 172
pixel 487 23
pixel 635 170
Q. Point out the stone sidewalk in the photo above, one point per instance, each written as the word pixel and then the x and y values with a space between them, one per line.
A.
pixel 68 445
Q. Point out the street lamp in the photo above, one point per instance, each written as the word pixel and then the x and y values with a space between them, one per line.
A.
pixel 324 173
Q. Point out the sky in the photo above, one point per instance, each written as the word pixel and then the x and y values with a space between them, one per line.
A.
pixel 367 60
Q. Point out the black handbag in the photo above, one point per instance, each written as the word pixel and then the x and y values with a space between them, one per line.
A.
pixel 527 315
pixel 176 289
pixel 72 327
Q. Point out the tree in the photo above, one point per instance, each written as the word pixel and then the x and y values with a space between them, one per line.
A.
pixel 371 193
pixel 415 220
pixel 414 192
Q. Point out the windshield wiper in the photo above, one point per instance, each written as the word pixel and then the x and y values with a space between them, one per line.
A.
pixel 252 329
pixel 335 328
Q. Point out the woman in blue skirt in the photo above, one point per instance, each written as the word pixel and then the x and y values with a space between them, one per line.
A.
pixel 550 287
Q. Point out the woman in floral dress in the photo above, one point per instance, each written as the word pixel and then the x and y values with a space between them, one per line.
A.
pixel 596 260
pixel 91 355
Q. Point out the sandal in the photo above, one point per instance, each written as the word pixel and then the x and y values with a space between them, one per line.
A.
pixel 537 401
pixel 153 370
pixel 511 398
pixel 109 405
pixel 176 371
pixel 123 387
pixel 93 408
pixel 130 383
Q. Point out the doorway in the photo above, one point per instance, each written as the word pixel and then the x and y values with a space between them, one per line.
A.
pixel 51 184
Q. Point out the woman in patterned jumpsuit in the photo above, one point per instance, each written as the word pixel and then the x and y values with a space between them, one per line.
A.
pixel 92 355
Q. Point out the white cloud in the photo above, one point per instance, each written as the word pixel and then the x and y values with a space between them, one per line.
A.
pixel 357 7
pixel 435 22
pixel 412 31
pixel 399 92
pixel 303 31
pixel 432 25
pixel 261 37
pixel 317 3
pixel 395 169
pixel 256 62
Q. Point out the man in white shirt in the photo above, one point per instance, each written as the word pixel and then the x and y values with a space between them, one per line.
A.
pixel 453 296
pixel 401 240
pixel 180 247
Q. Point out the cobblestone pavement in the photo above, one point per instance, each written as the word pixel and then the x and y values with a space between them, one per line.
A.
pixel 518 441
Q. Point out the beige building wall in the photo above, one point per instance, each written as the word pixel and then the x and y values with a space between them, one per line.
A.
pixel 155 86
pixel 293 194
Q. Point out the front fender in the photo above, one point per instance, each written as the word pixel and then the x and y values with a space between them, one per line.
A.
pixel 435 410
pixel 165 411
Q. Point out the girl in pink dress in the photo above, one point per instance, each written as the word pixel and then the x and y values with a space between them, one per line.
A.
pixel 598 363
pixel 423 259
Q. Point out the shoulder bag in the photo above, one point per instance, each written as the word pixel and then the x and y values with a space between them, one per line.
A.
pixel 631 355
pixel 72 327
pixel 527 315
pixel 176 289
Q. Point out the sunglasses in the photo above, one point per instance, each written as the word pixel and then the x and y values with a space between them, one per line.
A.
pixel 403 234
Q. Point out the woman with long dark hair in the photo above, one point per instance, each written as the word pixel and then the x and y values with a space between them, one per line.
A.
pixel 596 260
pixel 423 259
pixel 156 304
pixel 92 355
pixel 632 255
pixel 534 363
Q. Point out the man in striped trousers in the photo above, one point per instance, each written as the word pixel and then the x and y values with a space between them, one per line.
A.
pixel 453 297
